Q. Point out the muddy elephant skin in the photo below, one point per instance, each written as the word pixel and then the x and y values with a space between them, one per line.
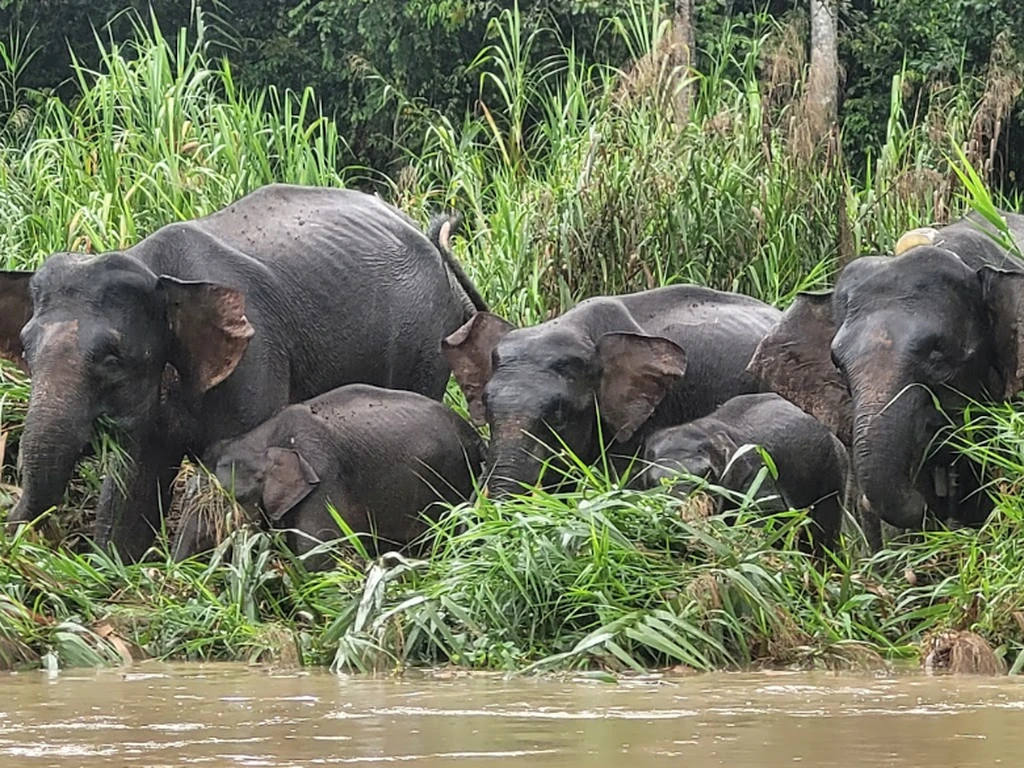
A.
pixel 386 460
pixel 604 374
pixel 205 328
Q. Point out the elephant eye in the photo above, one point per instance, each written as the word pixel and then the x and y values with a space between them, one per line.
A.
pixel 558 411
pixel 940 363
pixel 938 353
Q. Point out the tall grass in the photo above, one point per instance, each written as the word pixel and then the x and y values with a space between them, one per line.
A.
pixel 606 191
pixel 159 133
pixel 576 179
pixel 606 578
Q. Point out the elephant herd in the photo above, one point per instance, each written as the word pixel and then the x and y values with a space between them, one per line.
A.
pixel 299 342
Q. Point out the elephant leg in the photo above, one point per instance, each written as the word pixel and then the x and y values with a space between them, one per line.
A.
pixel 827 519
pixel 195 535
pixel 857 504
pixel 131 508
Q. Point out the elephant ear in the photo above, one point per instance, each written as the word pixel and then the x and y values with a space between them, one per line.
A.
pixel 720 450
pixel 636 374
pixel 1004 293
pixel 795 360
pixel 287 480
pixel 211 332
pixel 468 352
pixel 15 311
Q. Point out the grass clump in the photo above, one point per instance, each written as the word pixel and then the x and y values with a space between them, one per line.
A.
pixel 603 577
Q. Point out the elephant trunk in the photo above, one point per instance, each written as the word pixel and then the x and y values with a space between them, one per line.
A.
pixel 514 461
pixel 57 430
pixel 510 473
pixel 890 437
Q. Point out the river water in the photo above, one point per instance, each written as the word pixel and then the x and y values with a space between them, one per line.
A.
pixel 229 715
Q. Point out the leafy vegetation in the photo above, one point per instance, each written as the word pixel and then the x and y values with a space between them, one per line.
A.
pixel 425 47
pixel 576 178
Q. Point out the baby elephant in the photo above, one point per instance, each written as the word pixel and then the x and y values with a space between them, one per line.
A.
pixel 380 456
pixel 812 464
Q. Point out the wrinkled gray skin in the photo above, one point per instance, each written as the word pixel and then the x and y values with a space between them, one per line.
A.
pixel 812 463
pixel 205 328
pixel 941 320
pixel 380 456
pixel 648 359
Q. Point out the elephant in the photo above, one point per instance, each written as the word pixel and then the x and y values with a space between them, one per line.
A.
pixel 811 462
pixel 205 328
pixel 936 324
pixel 641 361
pixel 379 456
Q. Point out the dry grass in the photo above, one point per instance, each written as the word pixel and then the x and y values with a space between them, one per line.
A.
pixel 959 652
pixel 697 506
pixel 650 79
pixel 196 493
pixel 1004 83
pixel 782 65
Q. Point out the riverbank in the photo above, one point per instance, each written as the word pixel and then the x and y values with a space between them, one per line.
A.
pixel 603 579
pixel 575 180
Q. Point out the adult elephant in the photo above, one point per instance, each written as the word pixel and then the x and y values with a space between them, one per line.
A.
pixel 648 360
pixel 205 328
pixel 937 322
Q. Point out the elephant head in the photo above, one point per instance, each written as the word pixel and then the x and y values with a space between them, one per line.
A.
pixel 537 388
pixel 264 469
pixel 899 336
pixel 714 457
pixel 96 334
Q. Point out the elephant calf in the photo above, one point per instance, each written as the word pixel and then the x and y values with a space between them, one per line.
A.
pixel 604 375
pixel 379 456
pixel 812 463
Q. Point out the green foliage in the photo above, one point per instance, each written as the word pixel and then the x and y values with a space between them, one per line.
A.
pixel 937 44
pixel 161 133
pixel 602 577
pixel 423 49
pixel 577 178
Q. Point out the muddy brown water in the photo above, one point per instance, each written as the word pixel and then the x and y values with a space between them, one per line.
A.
pixel 226 715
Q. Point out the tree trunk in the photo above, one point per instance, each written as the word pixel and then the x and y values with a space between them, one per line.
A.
pixel 823 84
pixel 682 57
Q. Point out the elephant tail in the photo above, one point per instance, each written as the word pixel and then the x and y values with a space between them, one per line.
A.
pixel 440 231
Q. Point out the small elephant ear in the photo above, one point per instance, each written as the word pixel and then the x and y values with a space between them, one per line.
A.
pixel 636 373
pixel 468 352
pixel 288 479
pixel 795 361
pixel 210 330
pixel 1004 294
pixel 15 311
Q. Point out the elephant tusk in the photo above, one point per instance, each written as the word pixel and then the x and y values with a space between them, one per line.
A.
pixel 914 238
